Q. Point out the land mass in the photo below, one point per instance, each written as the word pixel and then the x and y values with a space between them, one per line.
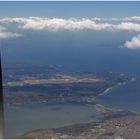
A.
pixel 50 85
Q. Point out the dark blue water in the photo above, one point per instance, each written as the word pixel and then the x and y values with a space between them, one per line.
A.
pixel 123 97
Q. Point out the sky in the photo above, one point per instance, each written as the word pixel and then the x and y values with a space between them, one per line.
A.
pixel 21 19
pixel 78 32
pixel 69 9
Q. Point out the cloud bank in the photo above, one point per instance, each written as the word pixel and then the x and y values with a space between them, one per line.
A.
pixel 134 43
pixel 56 24
pixel 127 24
pixel 73 24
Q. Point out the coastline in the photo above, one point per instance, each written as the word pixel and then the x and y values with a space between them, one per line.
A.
pixel 115 86
pixel 111 88
pixel 115 117
pixel 107 112
pixel 108 127
pixel 109 109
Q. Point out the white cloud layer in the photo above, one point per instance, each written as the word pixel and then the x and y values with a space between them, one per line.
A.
pixel 128 24
pixel 6 35
pixel 59 24
pixel 56 24
pixel 133 18
pixel 134 43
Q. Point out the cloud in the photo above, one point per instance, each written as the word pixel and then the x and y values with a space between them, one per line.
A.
pixel 6 35
pixel 61 24
pixel 133 18
pixel 71 24
pixel 56 24
pixel 134 43
pixel 127 24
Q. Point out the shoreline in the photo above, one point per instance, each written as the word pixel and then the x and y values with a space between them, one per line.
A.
pixel 111 88
pixel 100 107
pixel 115 86
pixel 113 117
pixel 106 109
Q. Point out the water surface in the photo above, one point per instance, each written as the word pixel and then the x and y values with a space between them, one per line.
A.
pixel 25 118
